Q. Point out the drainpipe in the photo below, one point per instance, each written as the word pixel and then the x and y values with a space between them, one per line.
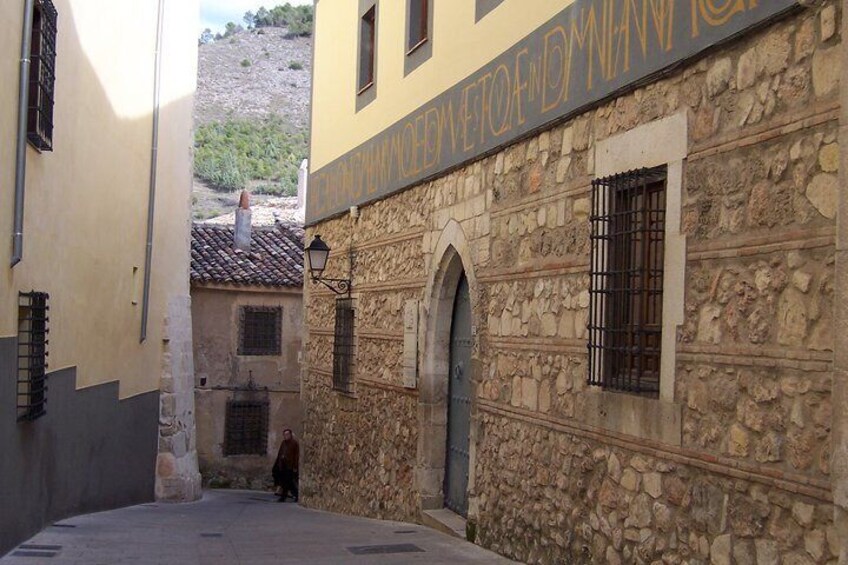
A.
pixel 20 156
pixel 154 157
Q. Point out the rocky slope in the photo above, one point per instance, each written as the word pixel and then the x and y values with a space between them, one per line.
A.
pixel 253 74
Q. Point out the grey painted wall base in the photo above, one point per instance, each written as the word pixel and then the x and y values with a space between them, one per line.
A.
pixel 90 452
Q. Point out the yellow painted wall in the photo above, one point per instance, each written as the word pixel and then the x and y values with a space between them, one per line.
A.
pixel 86 201
pixel 460 47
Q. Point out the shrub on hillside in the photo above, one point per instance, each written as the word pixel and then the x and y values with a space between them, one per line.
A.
pixel 296 66
pixel 229 154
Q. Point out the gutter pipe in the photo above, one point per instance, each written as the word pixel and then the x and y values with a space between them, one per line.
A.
pixel 154 158
pixel 20 155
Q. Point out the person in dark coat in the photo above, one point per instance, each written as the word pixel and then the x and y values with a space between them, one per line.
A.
pixel 286 467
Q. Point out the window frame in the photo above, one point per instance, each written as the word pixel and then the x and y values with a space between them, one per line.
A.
pixel 626 281
pixel 236 413
pixel 42 75
pixel 344 344
pixel 245 325
pixel 33 329
pixel 417 53
pixel 423 28
pixel 368 25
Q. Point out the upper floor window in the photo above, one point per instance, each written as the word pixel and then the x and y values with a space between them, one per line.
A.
pixel 626 285
pixel 260 330
pixel 32 355
pixel 42 76
pixel 418 24
pixel 367 48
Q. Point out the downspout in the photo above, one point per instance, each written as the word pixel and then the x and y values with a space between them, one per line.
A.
pixel 154 157
pixel 20 155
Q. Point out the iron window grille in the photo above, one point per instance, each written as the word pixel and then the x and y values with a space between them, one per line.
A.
pixel 343 346
pixel 260 330
pixel 42 76
pixel 32 355
pixel 626 281
pixel 246 428
pixel 418 23
pixel 367 46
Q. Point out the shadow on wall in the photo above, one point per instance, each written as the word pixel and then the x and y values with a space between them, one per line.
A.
pixel 85 225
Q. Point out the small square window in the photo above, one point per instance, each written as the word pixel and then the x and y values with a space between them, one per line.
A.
pixel 246 428
pixel 367 48
pixel 32 355
pixel 42 76
pixel 260 332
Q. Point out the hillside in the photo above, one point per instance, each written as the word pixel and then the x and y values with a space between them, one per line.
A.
pixel 245 80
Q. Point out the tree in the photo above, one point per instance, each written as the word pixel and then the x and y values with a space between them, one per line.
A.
pixel 249 19
pixel 206 37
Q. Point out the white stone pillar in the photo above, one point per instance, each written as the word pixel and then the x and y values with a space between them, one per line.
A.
pixel 177 472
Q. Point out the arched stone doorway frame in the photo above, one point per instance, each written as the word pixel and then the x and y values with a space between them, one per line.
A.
pixel 450 259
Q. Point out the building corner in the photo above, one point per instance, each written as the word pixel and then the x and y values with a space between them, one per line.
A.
pixel 177 472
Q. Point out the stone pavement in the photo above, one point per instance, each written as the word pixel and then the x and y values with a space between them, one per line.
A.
pixel 238 527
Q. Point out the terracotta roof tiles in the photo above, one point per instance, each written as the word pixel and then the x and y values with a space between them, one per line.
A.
pixel 275 257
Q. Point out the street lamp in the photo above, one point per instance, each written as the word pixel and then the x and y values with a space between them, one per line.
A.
pixel 317 255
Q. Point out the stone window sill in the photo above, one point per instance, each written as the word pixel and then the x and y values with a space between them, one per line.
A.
pixel 645 418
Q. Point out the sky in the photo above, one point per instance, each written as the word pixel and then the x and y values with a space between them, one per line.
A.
pixel 215 14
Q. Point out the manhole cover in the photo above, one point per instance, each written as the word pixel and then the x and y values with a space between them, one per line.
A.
pixel 384 549
pixel 64 526
pixel 405 531
pixel 41 547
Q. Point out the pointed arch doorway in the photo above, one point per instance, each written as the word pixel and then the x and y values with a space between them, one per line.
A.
pixel 459 402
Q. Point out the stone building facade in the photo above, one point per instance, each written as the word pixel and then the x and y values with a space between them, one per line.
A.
pixel 245 396
pixel 740 456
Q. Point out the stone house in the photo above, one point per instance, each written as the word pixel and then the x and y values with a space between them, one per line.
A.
pixel 598 287
pixel 247 320
pixel 95 337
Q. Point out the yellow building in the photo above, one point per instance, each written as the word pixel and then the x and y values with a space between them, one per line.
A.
pixel 96 110
pixel 596 275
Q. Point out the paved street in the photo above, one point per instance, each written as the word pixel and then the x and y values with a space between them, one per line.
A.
pixel 238 527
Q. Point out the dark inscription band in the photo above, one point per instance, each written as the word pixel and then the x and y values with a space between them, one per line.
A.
pixel 591 49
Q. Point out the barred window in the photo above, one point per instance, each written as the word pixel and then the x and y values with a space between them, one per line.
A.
pixel 246 428
pixel 343 346
pixel 626 286
pixel 42 76
pixel 32 355
pixel 260 330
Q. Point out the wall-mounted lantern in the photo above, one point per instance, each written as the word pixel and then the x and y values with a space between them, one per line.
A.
pixel 317 255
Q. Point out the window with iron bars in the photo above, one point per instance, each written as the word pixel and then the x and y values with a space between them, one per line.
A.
pixel 343 346
pixel 42 76
pixel 260 330
pixel 246 428
pixel 32 355
pixel 626 281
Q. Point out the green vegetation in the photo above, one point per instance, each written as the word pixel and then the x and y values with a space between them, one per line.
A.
pixel 297 19
pixel 228 155
pixel 296 66
pixel 245 62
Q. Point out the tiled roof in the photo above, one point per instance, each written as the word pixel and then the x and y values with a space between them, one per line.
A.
pixel 275 257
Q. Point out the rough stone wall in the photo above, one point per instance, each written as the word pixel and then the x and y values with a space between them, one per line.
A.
pixel 750 481
pixel 177 474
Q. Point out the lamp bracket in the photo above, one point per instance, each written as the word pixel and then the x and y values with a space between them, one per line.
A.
pixel 338 286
